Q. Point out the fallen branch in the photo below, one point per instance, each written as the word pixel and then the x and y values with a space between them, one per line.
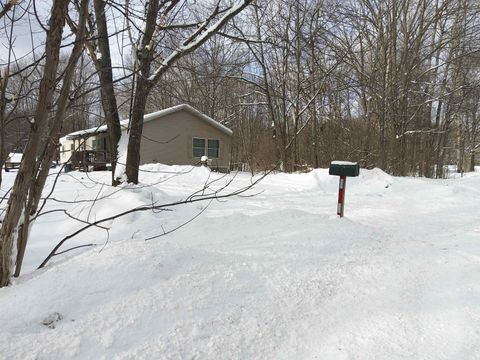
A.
pixel 163 207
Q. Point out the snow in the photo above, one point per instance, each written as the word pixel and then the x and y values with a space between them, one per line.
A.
pixel 93 130
pixel 273 276
pixel 122 151
pixel 343 163
pixel 15 157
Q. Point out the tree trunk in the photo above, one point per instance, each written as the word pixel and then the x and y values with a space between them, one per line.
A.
pixel 109 102
pixel 47 155
pixel 472 161
pixel 16 201
pixel 459 144
pixel 2 142
pixel 135 130
pixel 3 102
pixel 142 89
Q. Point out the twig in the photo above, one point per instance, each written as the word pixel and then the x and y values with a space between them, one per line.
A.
pixel 74 248
pixel 181 225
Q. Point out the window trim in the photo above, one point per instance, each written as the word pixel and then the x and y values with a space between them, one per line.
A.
pixel 205 149
pixel 204 146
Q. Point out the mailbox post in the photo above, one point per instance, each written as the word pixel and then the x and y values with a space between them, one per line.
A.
pixel 343 169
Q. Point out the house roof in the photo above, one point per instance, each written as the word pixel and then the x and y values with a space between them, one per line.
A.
pixel 150 117
pixel 15 157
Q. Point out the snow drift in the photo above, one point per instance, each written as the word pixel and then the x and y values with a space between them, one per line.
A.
pixel 273 276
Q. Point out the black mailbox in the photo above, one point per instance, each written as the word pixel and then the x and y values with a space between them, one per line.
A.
pixel 344 168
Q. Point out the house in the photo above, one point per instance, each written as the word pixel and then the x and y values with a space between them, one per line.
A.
pixel 179 135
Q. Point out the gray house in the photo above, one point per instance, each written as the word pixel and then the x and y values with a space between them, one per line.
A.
pixel 179 135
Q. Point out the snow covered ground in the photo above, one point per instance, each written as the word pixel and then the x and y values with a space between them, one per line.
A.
pixel 273 276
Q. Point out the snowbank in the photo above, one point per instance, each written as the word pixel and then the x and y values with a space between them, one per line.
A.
pixel 273 276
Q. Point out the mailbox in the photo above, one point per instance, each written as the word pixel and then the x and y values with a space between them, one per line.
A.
pixel 344 168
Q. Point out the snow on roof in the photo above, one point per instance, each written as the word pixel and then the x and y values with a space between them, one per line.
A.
pixel 149 117
pixel 15 157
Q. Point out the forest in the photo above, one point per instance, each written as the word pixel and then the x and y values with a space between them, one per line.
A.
pixel 391 84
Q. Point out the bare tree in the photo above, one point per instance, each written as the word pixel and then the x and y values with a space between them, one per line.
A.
pixel 4 78
pixel 160 18
pixel 25 185
pixel 103 63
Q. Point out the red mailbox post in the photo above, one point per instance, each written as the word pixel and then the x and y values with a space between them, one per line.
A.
pixel 341 195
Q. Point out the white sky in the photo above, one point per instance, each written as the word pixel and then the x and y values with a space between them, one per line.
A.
pixel 27 31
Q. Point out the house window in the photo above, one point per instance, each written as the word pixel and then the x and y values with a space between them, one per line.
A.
pixel 94 144
pixel 198 147
pixel 209 147
pixel 213 148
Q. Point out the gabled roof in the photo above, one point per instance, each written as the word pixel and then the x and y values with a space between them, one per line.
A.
pixel 150 117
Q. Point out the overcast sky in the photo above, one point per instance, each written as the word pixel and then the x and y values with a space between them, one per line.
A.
pixel 28 31
pixel 25 31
